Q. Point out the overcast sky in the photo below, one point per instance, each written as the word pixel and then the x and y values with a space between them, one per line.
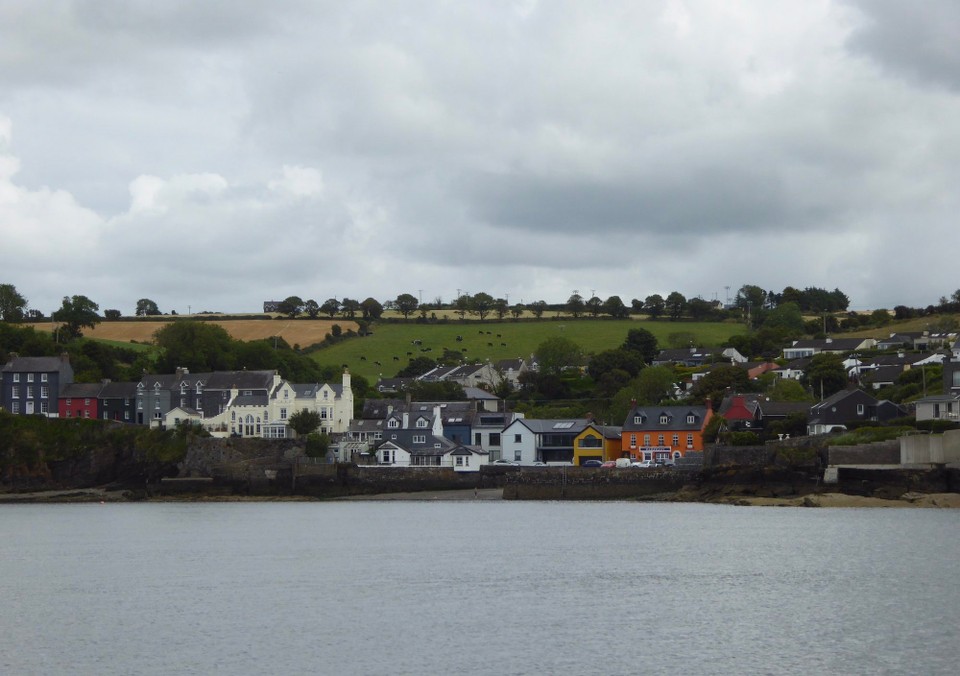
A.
pixel 212 155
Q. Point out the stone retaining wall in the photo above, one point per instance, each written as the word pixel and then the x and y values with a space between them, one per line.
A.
pixel 578 483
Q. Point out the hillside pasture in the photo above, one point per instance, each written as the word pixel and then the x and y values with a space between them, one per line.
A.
pixel 393 345
pixel 300 332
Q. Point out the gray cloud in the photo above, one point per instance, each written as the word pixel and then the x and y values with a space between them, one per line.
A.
pixel 915 40
pixel 210 155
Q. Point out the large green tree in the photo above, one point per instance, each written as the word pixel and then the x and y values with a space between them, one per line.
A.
pixel 146 308
pixel 12 304
pixel 481 304
pixel 785 316
pixel 676 304
pixel 304 421
pixel 624 360
pixel 330 307
pixel 615 307
pixel 76 313
pixel 371 308
pixel 198 346
pixel 558 353
pixel 406 304
pixel 537 308
pixel 654 305
pixel 721 379
pixel 825 375
pixel 643 343
pixel 291 306
pixel 575 305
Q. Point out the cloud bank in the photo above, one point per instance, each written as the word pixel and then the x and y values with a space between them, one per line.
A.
pixel 215 156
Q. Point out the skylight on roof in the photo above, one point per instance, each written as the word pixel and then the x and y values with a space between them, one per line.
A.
pixel 562 425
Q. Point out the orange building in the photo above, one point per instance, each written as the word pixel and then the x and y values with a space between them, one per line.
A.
pixel 664 432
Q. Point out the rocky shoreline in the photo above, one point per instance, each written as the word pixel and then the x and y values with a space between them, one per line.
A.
pixel 830 500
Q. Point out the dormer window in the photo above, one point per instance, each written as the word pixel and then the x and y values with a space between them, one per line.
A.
pixel 393 423
pixel 664 419
pixel 421 423
pixel 691 419
pixel 637 420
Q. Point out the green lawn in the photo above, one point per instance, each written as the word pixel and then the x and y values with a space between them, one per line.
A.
pixel 392 344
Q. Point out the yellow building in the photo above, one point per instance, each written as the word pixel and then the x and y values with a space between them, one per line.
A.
pixel 597 442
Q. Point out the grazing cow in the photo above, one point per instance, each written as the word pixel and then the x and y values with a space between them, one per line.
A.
pixel 503 344
pixel 459 339
pixel 378 363
pixel 499 336
pixel 363 359
pixel 396 359
pixel 489 344
pixel 409 354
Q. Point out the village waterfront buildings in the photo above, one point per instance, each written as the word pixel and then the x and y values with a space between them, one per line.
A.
pixel 464 435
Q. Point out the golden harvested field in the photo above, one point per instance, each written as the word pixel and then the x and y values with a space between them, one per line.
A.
pixel 296 332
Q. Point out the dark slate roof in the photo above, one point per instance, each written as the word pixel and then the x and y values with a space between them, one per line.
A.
pixel 557 425
pixel 509 364
pixel 81 391
pixel 883 374
pixel 837 397
pixel 475 393
pixel 251 400
pixel 34 364
pixel 112 390
pixel 242 380
pixel 377 409
pixel 781 409
pixel 432 445
pixel 676 418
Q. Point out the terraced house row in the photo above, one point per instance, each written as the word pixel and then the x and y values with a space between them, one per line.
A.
pixel 226 403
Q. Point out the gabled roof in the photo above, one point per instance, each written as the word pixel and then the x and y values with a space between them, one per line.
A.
pixel 648 418
pixel 36 364
pixel 606 431
pixel 509 364
pixel 838 397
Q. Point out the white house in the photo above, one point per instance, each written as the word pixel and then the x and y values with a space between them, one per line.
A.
pixel 528 440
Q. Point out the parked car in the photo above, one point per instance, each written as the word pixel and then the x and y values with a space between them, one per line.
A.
pixel 502 461
pixel 609 464
pixel 623 462
pixel 643 464
pixel 592 463
pixel 538 464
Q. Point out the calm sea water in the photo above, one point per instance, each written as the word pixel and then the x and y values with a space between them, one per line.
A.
pixel 477 588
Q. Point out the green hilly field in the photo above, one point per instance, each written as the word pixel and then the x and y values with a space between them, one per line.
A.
pixel 392 344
